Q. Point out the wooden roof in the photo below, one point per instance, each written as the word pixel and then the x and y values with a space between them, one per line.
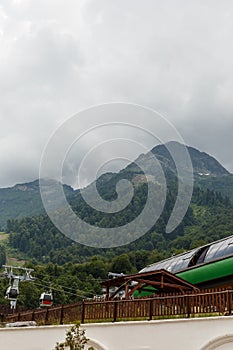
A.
pixel 162 280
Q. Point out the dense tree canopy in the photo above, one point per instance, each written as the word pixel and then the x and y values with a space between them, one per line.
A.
pixel 74 271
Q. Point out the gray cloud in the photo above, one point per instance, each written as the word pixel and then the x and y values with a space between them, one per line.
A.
pixel 59 57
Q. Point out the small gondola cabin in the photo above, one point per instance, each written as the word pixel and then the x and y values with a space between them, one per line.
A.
pixel 46 299
pixel 12 293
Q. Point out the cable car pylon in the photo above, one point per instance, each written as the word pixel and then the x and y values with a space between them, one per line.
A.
pixel 12 291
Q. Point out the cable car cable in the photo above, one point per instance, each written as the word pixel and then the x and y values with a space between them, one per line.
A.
pixel 62 291
pixel 62 286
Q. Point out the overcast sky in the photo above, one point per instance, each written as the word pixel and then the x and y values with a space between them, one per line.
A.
pixel 59 57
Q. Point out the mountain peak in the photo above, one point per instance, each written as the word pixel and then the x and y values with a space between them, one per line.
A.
pixel 203 163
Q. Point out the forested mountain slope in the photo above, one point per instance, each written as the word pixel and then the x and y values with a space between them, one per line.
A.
pixel 22 200
pixel 209 216
pixel 75 270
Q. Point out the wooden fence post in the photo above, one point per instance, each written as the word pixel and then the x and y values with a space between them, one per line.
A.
pixel 115 311
pixel 2 317
pixel 188 306
pixel 47 316
pixel 62 314
pixel 83 312
pixel 151 309
pixel 229 297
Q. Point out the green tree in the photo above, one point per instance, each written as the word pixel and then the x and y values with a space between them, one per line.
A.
pixel 75 340
pixel 122 264
pixel 2 255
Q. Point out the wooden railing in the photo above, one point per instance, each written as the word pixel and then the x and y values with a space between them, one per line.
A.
pixel 209 302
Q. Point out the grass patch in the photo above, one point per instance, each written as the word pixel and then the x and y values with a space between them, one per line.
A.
pixel 13 257
pixel 15 262
pixel 3 236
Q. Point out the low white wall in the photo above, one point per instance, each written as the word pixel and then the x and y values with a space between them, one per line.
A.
pixel 192 334
pixel 31 338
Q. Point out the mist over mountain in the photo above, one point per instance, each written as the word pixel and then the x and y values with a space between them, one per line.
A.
pixel 209 216
pixel 24 200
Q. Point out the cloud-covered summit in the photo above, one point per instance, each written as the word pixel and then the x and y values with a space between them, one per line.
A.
pixel 58 57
